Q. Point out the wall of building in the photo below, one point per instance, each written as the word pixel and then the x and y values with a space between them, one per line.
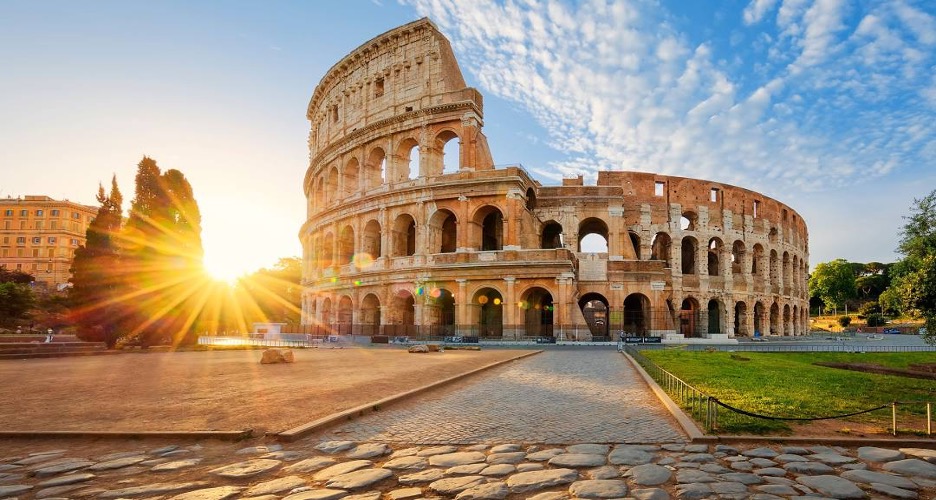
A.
pixel 395 242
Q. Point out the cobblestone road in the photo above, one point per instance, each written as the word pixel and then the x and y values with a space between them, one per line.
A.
pixel 558 396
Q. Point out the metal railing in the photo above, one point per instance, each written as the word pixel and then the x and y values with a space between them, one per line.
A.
pixel 699 405
pixel 794 347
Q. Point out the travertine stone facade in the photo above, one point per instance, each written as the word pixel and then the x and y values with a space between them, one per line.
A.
pixel 395 242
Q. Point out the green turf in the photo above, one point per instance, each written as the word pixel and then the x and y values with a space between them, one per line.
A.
pixel 790 385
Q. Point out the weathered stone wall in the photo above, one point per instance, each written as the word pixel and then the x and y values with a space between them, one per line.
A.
pixel 395 247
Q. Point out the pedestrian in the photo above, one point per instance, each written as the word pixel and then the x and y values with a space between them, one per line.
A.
pixel 49 334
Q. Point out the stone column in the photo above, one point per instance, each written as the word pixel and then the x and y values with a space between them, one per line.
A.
pixel 510 309
pixel 461 307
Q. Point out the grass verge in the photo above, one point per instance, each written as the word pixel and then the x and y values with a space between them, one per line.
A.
pixel 790 385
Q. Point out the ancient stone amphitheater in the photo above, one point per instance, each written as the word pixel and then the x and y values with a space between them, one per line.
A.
pixel 412 230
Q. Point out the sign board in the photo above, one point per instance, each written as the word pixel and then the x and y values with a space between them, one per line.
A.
pixel 658 286
pixel 643 340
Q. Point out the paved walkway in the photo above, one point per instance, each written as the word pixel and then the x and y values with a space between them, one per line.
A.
pixel 559 396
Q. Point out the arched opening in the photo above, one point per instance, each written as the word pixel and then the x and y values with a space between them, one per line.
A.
pixel 537 307
pixel 775 328
pixel 491 223
pixel 714 317
pixel 370 315
pixel 774 270
pixel 688 221
pixel 450 145
pixel 443 232
pixel 370 244
pixel 737 256
pixel 349 177
pixel 402 314
pixel 759 319
pixel 786 272
pixel 327 314
pixel 345 315
pixel 346 246
pixel 320 201
pixel 757 261
pixel 773 236
pixel 787 321
pixel 552 235
pixel 714 254
pixel 689 317
pixel 740 319
pixel 441 312
pixel 635 242
pixel 689 255
pixel 413 163
pixel 331 186
pixel 660 248
pixel 530 199
pixel 406 162
pixel 593 236
pixel 595 308
pixel 328 251
pixel 636 314
pixel 404 236
pixel 375 169
pixel 488 307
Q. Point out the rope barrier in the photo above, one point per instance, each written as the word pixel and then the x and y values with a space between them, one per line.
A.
pixel 768 417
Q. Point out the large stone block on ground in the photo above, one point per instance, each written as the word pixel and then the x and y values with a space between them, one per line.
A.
pixel 272 356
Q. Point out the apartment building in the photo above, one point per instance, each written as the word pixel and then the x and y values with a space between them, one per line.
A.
pixel 39 236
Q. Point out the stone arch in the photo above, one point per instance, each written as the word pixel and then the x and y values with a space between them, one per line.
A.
pixel 328 250
pixel 787 320
pixel 405 166
pixel 689 221
pixel 320 201
pixel 487 307
pixel 345 314
pixel 737 257
pixel 552 235
pixel 370 241
pixel 489 223
pixel 775 326
pixel 327 312
pixel 740 319
pixel 635 242
pixel 757 261
pixel 346 245
pixel 689 245
pixel 375 168
pixel 759 319
pixel 402 312
pixel 403 236
pixel 715 249
pixel 596 309
pixel 441 311
pixel 597 227
pixel 448 144
pixel 715 313
pixel 349 177
pixel 773 236
pixel 636 319
pixel 661 248
pixel 774 269
pixel 530 199
pixel 370 314
pixel 443 232
pixel 537 306
pixel 689 317
pixel 786 272
pixel 332 185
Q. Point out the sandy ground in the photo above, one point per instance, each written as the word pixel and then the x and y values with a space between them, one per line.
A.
pixel 214 390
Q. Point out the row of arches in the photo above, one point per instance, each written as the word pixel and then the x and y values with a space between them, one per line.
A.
pixel 438 311
pixel 408 160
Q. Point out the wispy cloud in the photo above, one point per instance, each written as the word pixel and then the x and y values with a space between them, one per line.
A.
pixel 823 97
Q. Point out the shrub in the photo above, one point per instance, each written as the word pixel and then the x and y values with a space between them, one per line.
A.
pixel 844 321
pixel 876 320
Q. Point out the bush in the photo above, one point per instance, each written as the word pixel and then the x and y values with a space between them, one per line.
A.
pixel 869 309
pixel 844 321
pixel 876 320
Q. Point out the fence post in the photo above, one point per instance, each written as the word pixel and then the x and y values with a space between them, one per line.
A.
pixel 894 416
pixel 929 420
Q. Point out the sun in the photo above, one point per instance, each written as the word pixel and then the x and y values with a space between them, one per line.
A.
pixel 225 269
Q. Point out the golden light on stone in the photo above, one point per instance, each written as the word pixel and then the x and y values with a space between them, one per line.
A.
pixel 362 261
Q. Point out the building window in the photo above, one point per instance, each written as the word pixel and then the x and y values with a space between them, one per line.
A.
pixel 51 252
pixel 19 267
pixel 52 240
pixel 378 87
pixel 38 224
pixel 9 213
pixel 55 213
pixel 6 240
pixel 334 113
pixel 658 188
pixel 6 252
pixel 756 207
pixel 713 196
pixel 35 253
pixel 54 224
pixel 76 215
pixel 39 213
pixel 21 240
pixel 36 240
pixel 74 242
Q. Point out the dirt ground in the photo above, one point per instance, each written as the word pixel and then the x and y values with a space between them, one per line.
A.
pixel 213 390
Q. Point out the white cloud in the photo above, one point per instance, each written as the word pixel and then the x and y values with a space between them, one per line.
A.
pixel 616 86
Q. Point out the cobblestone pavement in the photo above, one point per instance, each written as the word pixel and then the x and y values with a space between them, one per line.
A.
pixel 558 396
pixel 312 469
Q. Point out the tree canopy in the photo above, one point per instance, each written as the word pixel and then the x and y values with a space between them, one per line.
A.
pixel 916 283
pixel 833 282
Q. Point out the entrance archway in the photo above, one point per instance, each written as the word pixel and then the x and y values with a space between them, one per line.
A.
pixel 740 319
pixel 488 306
pixel 370 315
pixel 636 314
pixel 442 312
pixel 714 317
pixel 595 308
pixel 537 307
pixel 689 317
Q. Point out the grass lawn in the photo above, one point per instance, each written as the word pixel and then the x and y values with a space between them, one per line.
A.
pixel 790 385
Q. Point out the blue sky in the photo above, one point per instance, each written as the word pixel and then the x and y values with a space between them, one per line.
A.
pixel 826 105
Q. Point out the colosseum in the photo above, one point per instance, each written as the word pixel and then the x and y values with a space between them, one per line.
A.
pixel 411 229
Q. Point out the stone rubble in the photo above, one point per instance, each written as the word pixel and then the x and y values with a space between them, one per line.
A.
pixel 334 470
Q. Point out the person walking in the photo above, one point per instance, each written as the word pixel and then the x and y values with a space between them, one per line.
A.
pixel 49 334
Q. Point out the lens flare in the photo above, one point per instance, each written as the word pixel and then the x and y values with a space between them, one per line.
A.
pixel 435 293
pixel 497 301
pixel 362 260
pixel 483 300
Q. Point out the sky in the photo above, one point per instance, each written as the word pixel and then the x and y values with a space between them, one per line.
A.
pixel 825 105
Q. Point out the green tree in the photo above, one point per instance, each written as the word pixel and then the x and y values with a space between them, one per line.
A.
pixel 97 282
pixel 918 237
pixel 918 293
pixel 914 277
pixel 833 282
pixel 16 300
